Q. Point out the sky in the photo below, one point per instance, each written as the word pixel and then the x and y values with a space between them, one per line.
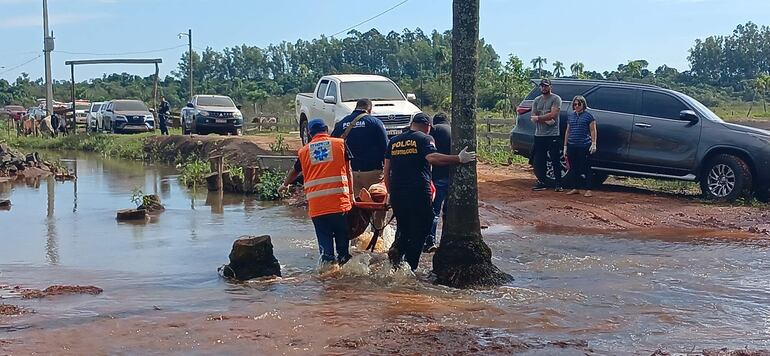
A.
pixel 599 33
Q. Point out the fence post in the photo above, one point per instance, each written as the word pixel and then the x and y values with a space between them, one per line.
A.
pixel 489 131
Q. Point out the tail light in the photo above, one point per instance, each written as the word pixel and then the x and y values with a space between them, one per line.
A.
pixel 521 109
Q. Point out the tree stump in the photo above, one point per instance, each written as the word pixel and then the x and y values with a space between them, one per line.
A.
pixel 250 179
pixel 251 257
pixel 131 214
pixel 212 180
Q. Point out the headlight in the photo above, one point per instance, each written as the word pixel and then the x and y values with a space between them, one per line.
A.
pixel 203 113
pixel 238 115
pixel 149 118
pixel 120 117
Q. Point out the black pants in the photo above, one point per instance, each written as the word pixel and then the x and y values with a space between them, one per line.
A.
pixel 163 124
pixel 414 219
pixel 580 166
pixel 547 145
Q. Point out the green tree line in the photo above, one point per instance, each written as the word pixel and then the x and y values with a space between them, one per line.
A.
pixel 723 69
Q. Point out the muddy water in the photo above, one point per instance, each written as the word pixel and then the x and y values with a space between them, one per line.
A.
pixel 572 294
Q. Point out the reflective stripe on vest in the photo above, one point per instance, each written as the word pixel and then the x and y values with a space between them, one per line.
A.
pixel 325 192
pixel 315 182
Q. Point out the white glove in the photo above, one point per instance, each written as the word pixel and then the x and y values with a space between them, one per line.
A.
pixel 565 150
pixel 466 156
pixel 592 150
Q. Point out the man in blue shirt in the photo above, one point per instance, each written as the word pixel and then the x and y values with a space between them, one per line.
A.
pixel 367 141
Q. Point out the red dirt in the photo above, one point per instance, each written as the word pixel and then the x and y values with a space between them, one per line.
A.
pixel 506 198
pixel 10 310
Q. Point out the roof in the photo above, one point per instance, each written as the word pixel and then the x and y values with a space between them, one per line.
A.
pixel 597 82
pixel 211 96
pixel 358 77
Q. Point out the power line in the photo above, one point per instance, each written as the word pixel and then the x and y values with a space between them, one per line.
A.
pixel 20 65
pixel 371 18
pixel 121 53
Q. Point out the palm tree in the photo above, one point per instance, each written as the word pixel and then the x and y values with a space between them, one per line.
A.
pixel 558 69
pixel 577 69
pixel 463 260
pixel 537 63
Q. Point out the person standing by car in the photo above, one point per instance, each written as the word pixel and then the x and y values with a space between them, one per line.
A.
pixel 325 164
pixel 579 144
pixel 408 160
pixel 545 115
pixel 163 111
pixel 441 132
pixel 367 140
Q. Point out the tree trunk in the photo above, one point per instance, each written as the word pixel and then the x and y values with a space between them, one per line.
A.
pixel 463 260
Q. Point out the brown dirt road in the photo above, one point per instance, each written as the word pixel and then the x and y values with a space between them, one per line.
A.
pixel 506 198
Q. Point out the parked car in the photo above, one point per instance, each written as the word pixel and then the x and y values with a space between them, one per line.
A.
pixel 186 116
pixel 93 116
pixel 101 125
pixel 213 114
pixel 36 112
pixel 15 112
pixel 81 111
pixel 648 131
pixel 128 116
pixel 335 97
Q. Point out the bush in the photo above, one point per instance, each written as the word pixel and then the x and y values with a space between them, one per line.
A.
pixel 269 182
pixel 194 172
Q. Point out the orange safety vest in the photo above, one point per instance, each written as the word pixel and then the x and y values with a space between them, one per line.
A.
pixel 326 175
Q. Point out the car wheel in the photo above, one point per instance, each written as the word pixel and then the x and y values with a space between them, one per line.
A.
pixel 725 178
pixel 303 132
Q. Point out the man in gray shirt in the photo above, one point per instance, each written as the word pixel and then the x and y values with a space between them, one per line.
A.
pixel 545 115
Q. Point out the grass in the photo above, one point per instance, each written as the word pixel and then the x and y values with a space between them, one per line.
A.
pixel 269 182
pixel 738 110
pixel 665 186
pixel 498 155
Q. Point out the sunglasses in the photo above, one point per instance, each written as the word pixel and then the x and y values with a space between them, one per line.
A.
pixel 576 104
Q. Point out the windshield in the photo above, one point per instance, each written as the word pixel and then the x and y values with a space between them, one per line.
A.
pixel 702 108
pixel 130 106
pixel 216 101
pixel 96 107
pixel 379 90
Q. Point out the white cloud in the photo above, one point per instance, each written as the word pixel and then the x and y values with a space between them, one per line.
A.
pixel 37 21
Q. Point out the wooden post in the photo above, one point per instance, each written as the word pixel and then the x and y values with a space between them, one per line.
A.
pixel 250 179
pixel 489 137
pixel 217 165
pixel 72 95
pixel 155 96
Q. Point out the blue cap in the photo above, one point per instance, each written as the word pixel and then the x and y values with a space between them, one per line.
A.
pixel 315 126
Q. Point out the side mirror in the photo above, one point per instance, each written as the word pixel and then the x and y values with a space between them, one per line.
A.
pixel 330 99
pixel 688 115
pixel 189 105
pixel 411 97
pixel 239 106
pixel 152 110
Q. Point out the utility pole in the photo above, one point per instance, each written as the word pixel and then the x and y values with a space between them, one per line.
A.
pixel 47 48
pixel 189 65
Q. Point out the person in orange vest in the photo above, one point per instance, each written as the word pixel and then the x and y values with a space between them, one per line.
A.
pixel 325 164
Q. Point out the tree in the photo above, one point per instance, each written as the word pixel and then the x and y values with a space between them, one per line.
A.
pixel 577 69
pixel 762 87
pixel 558 69
pixel 537 63
pixel 463 260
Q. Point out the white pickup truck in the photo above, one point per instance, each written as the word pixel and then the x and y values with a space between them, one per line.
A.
pixel 335 97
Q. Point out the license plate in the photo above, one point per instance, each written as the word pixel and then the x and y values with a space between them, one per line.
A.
pixel 221 121
pixel 393 132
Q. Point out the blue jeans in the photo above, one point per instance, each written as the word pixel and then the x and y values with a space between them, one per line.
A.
pixel 442 191
pixel 331 230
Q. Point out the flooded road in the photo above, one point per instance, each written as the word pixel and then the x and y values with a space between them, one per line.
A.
pixel 572 294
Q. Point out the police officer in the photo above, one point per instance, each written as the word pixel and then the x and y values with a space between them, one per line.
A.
pixel 441 132
pixel 163 111
pixel 365 135
pixel 408 163
pixel 325 164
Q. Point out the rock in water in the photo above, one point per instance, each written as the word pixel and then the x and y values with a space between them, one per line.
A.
pixel 132 214
pixel 4 203
pixel 251 257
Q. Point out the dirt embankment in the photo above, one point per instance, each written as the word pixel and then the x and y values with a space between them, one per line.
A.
pixel 16 164
pixel 506 198
pixel 241 150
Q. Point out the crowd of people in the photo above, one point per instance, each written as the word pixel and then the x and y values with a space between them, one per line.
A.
pixel 338 166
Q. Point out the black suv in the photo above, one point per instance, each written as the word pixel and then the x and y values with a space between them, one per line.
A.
pixel 212 113
pixel 648 131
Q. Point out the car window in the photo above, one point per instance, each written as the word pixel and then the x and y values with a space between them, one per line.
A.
pixel 661 105
pixel 322 89
pixel 565 91
pixel 220 101
pixel 332 90
pixel 130 106
pixel 613 99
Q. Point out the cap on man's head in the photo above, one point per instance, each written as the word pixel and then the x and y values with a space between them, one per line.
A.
pixel 315 126
pixel 422 118
pixel 545 81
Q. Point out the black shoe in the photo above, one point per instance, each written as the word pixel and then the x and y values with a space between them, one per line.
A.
pixel 395 257
pixel 539 186
pixel 343 259
pixel 558 189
